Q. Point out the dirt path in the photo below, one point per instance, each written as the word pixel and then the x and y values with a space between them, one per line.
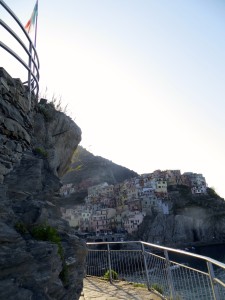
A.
pixel 95 288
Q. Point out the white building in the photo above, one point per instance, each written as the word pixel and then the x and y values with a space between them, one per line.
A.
pixel 133 221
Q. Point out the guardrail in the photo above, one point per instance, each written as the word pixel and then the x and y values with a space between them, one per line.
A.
pixel 33 65
pixel 175 273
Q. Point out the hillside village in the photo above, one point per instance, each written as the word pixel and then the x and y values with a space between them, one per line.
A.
pixel 121 208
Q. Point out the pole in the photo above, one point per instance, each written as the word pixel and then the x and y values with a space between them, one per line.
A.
pixel 29 73
pixel 35 36
pixel 169 274
pixel 109 264
pixel 213 285
pixel 145 265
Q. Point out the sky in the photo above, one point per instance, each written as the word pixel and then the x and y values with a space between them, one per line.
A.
pixel 143 79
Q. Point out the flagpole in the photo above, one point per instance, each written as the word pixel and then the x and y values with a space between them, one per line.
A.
pixel 35 36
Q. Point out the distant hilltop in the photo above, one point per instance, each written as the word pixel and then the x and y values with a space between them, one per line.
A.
pixel 87 170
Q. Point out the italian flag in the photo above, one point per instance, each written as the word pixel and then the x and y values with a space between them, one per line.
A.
pixel 33 19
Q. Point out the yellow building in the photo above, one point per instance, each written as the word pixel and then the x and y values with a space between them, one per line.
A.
pixel 161 185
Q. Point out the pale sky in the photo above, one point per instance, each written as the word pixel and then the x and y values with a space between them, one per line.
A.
pixel 143 79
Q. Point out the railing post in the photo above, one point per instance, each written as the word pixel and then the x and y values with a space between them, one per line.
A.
pixel 109 263
pixel 29 72
pixel 213 285
pixel 145 265
pixel 29 65
pixel 170 278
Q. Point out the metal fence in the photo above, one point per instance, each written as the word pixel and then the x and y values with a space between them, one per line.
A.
pixel 176 274
pixel 32 66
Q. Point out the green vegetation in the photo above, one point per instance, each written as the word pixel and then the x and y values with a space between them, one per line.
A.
pixel 77 162
pixel 40 151
pixel 157 287
pixel 21 228
pixel 113 273
pixel 184 190
pixel 140 285
pixel 77 168
pixel 48 233
pixel 212 193
pixel 55 103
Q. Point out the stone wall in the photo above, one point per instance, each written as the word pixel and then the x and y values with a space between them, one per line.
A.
pixel 36 145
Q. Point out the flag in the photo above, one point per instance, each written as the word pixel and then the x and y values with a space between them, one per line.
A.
pixel 33 19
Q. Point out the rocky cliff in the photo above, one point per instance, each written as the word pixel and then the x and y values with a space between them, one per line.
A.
pixel 193 220
pixel 39 257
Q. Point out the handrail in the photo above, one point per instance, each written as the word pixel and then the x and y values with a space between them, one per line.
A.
pixel 199 278
pixel 206 258
pixel 21 43
pixel 33 61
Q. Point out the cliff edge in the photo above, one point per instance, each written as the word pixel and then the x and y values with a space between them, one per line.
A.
pixel 193 220
pixel 40 258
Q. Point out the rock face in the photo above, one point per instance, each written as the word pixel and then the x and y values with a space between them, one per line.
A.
pixel 39 257
pixel 193 220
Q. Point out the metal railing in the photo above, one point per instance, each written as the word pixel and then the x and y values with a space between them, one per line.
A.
pixel 176 274
pixel 32 67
